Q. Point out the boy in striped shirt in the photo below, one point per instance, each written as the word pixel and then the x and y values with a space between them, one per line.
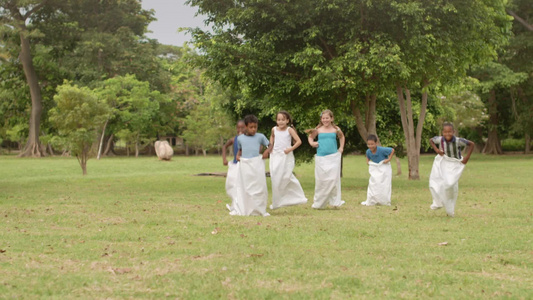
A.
pixel 451 145
pixel 447 168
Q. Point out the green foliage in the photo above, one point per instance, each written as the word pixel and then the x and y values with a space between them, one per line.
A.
pixel 305 56
pixel 518 58
pixel 77 116
pixel 207 126
pixel 186 87
pixel 134 107
pixel 513 145
pixel 493 75
pixel 461 105
pixel 16 133
pixel 83 41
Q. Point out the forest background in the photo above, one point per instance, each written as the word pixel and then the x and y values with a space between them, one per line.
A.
pixel 81 77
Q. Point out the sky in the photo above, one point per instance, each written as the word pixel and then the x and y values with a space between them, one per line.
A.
pixel 171 15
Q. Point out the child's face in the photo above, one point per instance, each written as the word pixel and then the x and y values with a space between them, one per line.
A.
pixel 447 132
pixel 282 120
pixel 326 119
pixel 251 128
pixel 240 128
pixel 371 145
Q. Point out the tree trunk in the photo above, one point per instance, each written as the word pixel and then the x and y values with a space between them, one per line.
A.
pixel 398 166
pixel 205 152
pixel 493 145
pixel 520 20
pixel 50 149
pixel 186 150
pixel 33 145
pixel 101 141
pixel 137 148
pixel 127 149
pixel 82 159
pixel 367 125
pixel 528 144
pixel 84 168
pixel 412 140
pixel 109 145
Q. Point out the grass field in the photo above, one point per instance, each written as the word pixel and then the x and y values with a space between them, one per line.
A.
pixel 141 228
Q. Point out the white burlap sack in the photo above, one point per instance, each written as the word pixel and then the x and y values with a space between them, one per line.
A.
pixel 379 184
pixel 286 189
pixel 444 182
pixel 327 181
pixel 252 192
pixel 232 177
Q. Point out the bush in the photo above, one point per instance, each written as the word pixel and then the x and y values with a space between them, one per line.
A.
pixel 513 145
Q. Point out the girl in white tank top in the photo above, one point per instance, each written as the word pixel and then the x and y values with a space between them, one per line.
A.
pixel 282 139
pixel 286 189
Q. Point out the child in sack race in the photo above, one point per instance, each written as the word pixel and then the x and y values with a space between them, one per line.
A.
pixel 327 161
pixel 380 183
pixel 448 167
pixel 286 189
pixel 252 193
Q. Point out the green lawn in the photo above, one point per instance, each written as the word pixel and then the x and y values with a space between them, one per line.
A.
pixel 142 228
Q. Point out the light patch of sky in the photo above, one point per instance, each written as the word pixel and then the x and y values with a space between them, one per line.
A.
pixel 171 15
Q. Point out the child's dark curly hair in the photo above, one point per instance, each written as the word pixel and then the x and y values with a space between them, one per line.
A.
pixel 250 119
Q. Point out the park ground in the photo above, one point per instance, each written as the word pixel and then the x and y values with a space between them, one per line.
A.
pixel 143 228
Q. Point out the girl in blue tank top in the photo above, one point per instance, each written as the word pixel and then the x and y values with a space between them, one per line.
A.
pixel 327 161
pixel 327 133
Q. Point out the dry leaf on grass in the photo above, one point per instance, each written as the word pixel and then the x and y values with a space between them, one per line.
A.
pixel 443 244
pixel 119 270
pixel 255 255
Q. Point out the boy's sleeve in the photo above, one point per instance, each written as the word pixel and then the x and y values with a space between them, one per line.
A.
pixel 266 142
pixel 436 140
pixel 463 142
pixel 367 153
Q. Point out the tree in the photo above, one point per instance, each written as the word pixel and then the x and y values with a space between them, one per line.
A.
pixel 78 40
pixel 494 78
pixel 307 55
pixel 78 116
pixel 303 56
pixel 518 58
pixel 134 108
pixel 461 105
pixel 16 13
pixel 437 48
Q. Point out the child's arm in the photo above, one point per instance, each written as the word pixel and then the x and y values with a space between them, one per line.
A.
pixel 390 157
pixel 311 138
pixel 268 146
pixel 437 150
pixel 224 149
pixel 342 139
pixel 272 138
pixel 296 138
pixel 471 147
